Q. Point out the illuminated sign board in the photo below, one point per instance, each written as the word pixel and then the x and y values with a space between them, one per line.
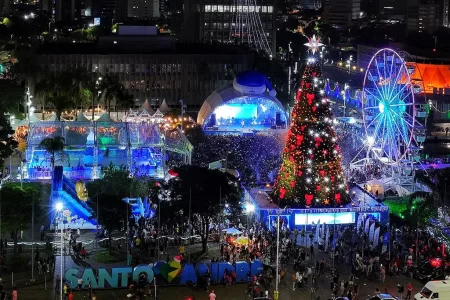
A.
pixel 327 218
pixel 172 272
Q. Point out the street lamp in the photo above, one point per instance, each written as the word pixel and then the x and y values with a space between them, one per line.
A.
pixel 249 208
pixel 59 207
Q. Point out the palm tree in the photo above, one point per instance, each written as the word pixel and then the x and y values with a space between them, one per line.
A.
pixel 111 89
pixel 53 145
pixel 66 90
pixel 124 100
pixel 61 103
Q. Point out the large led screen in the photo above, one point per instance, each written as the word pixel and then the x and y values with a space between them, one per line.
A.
pixel 237 111
pixel 327 218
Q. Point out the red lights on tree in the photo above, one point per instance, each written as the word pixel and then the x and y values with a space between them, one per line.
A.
pixel 311 160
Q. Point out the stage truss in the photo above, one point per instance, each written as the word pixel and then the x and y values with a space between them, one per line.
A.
pixel 393 135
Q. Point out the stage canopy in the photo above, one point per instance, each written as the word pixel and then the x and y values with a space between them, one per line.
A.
pixel 246 104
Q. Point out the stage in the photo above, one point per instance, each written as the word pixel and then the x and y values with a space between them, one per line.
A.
pixel 266 211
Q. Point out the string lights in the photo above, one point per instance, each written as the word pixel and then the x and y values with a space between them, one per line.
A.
pixel 311 174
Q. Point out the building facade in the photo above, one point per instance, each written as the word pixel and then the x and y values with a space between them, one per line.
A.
pixel 427 15
pixel 180 72
pixel 312 4
pixel 143 9
pixel 341 13
pixel 219 19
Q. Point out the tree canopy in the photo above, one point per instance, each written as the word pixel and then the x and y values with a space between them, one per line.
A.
pixel 7 142
pixel 110 190
pixel 16 205
pixel 52 145
pixel 203 192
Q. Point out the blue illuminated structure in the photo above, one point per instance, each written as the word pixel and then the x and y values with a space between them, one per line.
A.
pixel 245 106
pixel 91 146
pixel 266 211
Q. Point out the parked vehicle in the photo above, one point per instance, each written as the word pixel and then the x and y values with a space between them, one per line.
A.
pixel 382 297
pixel 436 290
pixel 429 271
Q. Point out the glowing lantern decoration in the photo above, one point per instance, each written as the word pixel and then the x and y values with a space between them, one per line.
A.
pixel 337 197
pixel 173 173
pixel 436 262
pixel 310 98
pixel 80 188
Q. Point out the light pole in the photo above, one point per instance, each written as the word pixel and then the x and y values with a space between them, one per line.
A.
pixel 182 112
pixel 32 237
pixel 249 208
pixel 97 82
pixel 278 253
pixel 159 223
pixel 59 208
pixel 127 234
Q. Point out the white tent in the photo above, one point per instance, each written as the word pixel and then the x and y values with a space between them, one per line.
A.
pixel 52 118
pixel 81 117
pixel 146 107
pixel 105 118
pixel 164 108
pixel 25 121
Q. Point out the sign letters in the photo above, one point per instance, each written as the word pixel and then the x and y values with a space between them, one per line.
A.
pixel 171 272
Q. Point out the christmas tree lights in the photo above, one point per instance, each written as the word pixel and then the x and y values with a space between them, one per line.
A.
pixel 311 174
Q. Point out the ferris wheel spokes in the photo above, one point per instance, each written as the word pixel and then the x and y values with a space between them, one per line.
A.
pixel 388 107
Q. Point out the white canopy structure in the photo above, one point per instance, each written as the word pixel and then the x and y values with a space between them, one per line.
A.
pixel 105 118
pixel 145 114
pixel 146 108
pixel 164 108
pixel 81 117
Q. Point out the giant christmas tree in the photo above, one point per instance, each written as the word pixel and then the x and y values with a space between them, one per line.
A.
pixel 311 173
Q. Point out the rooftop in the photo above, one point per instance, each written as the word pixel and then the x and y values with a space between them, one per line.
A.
pixel 139 45
pixel 262 199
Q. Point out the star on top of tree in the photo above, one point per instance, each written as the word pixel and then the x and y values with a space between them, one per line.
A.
pixel 313 44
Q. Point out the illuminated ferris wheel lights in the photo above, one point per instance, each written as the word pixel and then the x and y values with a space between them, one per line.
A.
pixel 381 107
pixel 370 140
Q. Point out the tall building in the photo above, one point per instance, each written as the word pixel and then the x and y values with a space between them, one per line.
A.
pixel 312 4
pixel 341 13
pixel 110 10
pixel 427 15
pixel 218 20
pixel 392 9
pixel 172 12
pixel 67 10
pixel 5 7
pixel 143 9
pixel 153 68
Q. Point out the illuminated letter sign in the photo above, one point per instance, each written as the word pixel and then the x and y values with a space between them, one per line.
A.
pixel 172 272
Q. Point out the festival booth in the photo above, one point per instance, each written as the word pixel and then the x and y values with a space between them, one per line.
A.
pixel 88 148
pixel 145 114
pixel 266 212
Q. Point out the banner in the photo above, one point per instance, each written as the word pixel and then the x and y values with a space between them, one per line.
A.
pixel 335 238
pixel 358 223
pixel 316 236
pixel 376 237
pixel 366 227
pixel 323 231
pixel 385 242
pixel 371 232
pixel 327 238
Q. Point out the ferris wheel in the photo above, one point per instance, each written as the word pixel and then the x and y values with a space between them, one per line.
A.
pixel 388 107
